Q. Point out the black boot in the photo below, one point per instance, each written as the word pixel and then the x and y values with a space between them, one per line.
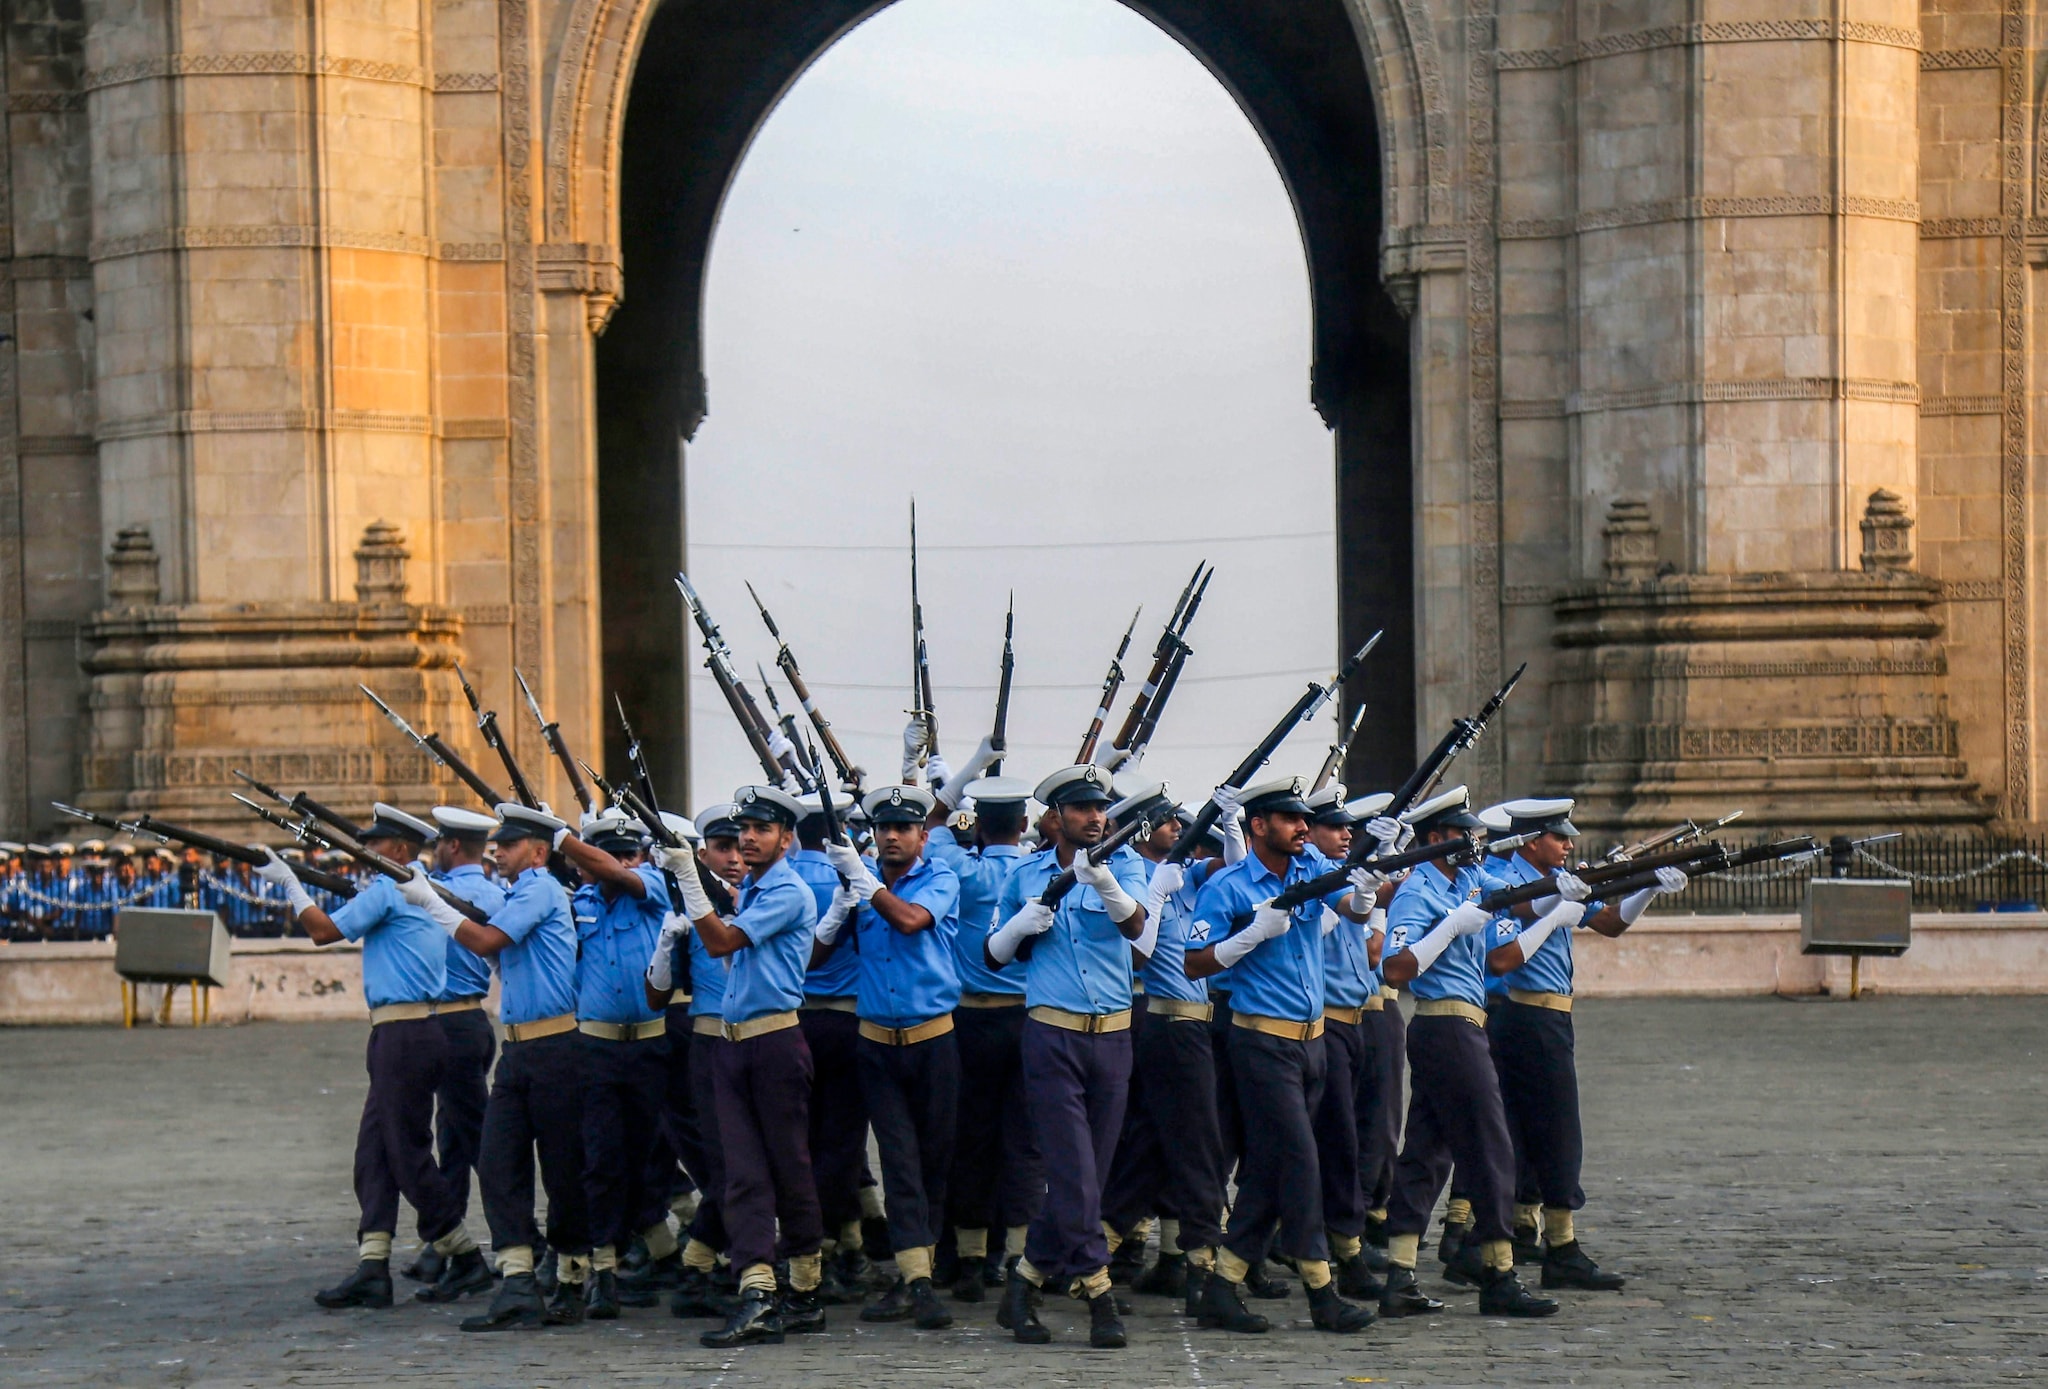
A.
pixel 633 1257
pixel 1223 1307
pixel 874 1234
pixel 547 1267
pixel 1018 1314
pixel 893 1305
pixel 1260 1283
pixel 1166 1278
pixel 1568 1266
pixel 1502 1295
pixel 426 1268
pixel 1373 1256
pixel 755 1322
pixel 644 1286
pixel 967 1284
pixel 601 1303
pixel 946 1262
pixel 461 1274
pixel 1198 1279
pixel 1465 1268
pixel 368 1286
pixel 1376 1236
pixel 995 1271
pixel 1403 1299
pixel 518 1304
pixel 1453 1240
pixel 1105 1327
pixel 802 1312
pixel 854 1270
pixel 1354 1279
pixel 565 1308
pixel 698 1296
pixel 1528 1242
pixel 1128 1262
pixel 1331 1312
pixel 925 1307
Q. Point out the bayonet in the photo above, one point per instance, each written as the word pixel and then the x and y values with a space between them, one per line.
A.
pixel 551 734
pixel 1172 642
pixel 302 804
pixel 432 745
pixel 309 831
pixel 718 660
pixel 206 843
pixel 999 733
pixel 786 659
pixel 920 657
pixel 1111 683
pixel 1338 750
pixel 494 738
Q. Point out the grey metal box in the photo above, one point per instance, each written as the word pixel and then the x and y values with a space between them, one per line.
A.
pixel 155 945
pixel 1856 916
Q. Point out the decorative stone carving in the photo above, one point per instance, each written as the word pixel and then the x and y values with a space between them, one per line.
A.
pixel 1631 540
pixel 1887 533
pixel 380 565
pixel 134 578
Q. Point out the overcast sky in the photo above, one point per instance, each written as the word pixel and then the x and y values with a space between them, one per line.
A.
pixel 1026 260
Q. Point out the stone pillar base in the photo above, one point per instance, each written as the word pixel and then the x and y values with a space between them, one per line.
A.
pixel 1809 700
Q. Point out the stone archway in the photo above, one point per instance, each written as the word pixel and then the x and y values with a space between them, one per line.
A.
pixel 653 108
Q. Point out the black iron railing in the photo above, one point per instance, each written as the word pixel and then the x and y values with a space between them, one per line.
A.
pixel 1949 873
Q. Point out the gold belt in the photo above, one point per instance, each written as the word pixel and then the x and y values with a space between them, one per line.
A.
pixel 1180 1008
pixel 1536 998
pixel 1279 1027
pixel 623 1031
pixel 400 1012
pixel 540 1027
pixel 707 1025
pixel 991 1000
pixel 459 1005
pixel 906 1036
pixel 1450 1008
pixel 1081 1022
pixel 828 1003
pixel 1346 1015
pixel 757 1027
pixel 1389 994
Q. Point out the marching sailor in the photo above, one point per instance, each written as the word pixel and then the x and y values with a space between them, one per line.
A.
pixel 405 969
pixel 1276 1055
pixel 1077 1042
pixel 899 927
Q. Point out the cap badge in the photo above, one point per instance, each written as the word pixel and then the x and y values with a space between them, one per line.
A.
pixel 895 795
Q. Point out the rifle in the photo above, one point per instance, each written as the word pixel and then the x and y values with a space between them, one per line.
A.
pixel 433 747
pixel 1063 881
pixel 1154 707
pixel 920 656
pixel 306 832
pixel 1603 875
pixel 1461 848
pixel 999 734
pixel 1172 637
pixel 1718 861
pixel 487 724
pixel 650 817
pixel 303 804
pixel 1462 735
pixel 206 843
pixel 1678 834
pixel 1304 708
pixel 787 723
pixel 718 660
pixel 1111 683
pixel 634 756
pixel 786 659
pixel 835 833
pixel 1338 749
pixel 551 734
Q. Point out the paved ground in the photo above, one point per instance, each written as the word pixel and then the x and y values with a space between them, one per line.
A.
pixel 1805 1192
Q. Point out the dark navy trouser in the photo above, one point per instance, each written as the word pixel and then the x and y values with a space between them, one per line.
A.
pixel 1379 1103
pixel 913 1100
pixel 463 1093
pixel 764 1100
pixel 839 1117
pixel 1169 1161
pixel 998 1179
pixel 1076 1084
pixel 1279 1183
pixel 623 1084
pixel 395 1140
pixel 1454 1116
pixel 536 1108
pixel 1534 1055
pixel 1345 1058
pixel 708 1225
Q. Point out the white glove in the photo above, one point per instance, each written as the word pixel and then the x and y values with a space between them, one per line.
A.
pixel 1330 918
pixel 1032 919
pixel 848 863
pixel 844 900
pixel 1572 888
pixel 1266 923
pixel 1465 919
pixel 984 755
pixel 936 770
pixel 583 822
pixel 1671 880
pixel 779 746
pixel 561 834
pixel 1376 922
pixel 1115 759
pixel 278 873
pixel 419 891
pixel 1387 831
pixel 1118 903
pixel 1563 914
pixel 1636 903
pixel 661 965
pixel 1230 822
pixel 913 748
pixel 1167 879
pixel 1365 888
pixel 681 862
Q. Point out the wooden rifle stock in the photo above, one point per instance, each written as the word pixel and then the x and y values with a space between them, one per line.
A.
pixel 208 844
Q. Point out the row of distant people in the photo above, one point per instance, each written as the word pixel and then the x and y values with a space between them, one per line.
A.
pixel 65 891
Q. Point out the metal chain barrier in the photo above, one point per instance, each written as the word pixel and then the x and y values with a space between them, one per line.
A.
pixel 1989 866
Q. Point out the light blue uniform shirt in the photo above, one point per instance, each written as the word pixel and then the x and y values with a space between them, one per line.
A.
pixel 1083 963
pixel 707 979
pixel 908 979
pixel 838 976
pixel 469 974
pixel 538 969
pixel 405 953
pixel 777 911
pixel 1165 975
pixel 1282 977
pixel 982 873
pixel 1348 976
pixel 615 939
pixel 1419 903
pixel 1550 971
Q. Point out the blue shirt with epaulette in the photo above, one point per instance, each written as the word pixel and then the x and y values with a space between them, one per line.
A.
pixel 615 936
pixel 1550 970
pixel 1165 975
pixel 777 913
pixel 1281 977
pixel 1083 963
pixel 1349 977
pixel 982 873
pixel 1423 900
pixel 906 979
pixel 405 951
pixel 538 969
pixel 838 975
pixel 469 974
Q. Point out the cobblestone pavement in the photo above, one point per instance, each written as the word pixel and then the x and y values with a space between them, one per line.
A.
pixel 1806 1192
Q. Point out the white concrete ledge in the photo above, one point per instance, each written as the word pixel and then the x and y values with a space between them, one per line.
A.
pixel 74 982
